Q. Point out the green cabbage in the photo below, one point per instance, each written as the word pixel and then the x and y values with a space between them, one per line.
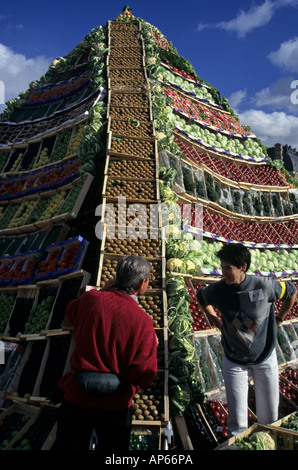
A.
pixel 261 440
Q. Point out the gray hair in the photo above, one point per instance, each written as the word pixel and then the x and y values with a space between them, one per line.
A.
pixel 131 270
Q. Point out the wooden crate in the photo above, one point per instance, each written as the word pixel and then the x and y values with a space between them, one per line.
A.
pixel 109 181
pixel 163 346
pixel 129 166
pixel 24 410
pixel 159 320
pixel 125 112
pixel 153 433
pixel 135 142
pixel 158 276
pixel 285 440
pixel 47 357
pixel 131 127
pixel 128 98
pixel 142 241
pixel 183 433
pixel 140 212
pixel 48 443
pixel 158 270
pixel 39 427
pixel 164 376
pixel 76 208
pixel 135 62
pixel 280 423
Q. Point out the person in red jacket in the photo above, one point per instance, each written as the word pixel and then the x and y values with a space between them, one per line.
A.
pixel 112 334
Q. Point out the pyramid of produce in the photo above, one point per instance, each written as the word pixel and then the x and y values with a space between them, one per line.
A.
pixel 121 148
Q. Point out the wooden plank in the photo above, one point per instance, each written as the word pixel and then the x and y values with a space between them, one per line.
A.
pixel 183 433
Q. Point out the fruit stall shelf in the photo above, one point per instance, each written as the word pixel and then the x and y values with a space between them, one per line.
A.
pixel 128 167
pixel 135 190
pixel 143 147
pixel 133 240
pixel 148 215
pixel 151 404
pixel 45 209
pixel 215 120
pixel 216 186
pixel 129 99
pixel 230 180
pixel 252 173
pixel 68 257
pixel 120 35
pixel 37 181
pixel 74 199
pixel 28 243
pixel 15 421
pixel 127 62
pixel 25 320
pixel 285 440
pixel 19 269
pixel 56 91
pixel 154 300
pixel 285 423
pixel 131 127
pixel 34 376
pixel 35 434
pixel 141 114
pixel 16 133
pixel 221 225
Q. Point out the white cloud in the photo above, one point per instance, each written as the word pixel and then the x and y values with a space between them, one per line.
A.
pixel 237 98
pixel 286 56
pixel 255 17
pixel 17 71
pixel 277 127
pixel 277 96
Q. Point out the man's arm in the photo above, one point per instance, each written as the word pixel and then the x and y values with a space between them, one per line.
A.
pixel 211 315
pixel 286 306
pixel 65 325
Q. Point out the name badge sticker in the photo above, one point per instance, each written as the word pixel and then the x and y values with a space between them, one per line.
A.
pixel 256 295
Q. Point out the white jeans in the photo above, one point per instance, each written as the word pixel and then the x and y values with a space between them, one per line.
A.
pixel 266 386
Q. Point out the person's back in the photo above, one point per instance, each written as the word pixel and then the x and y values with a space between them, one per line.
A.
pixel 112 334
pixel 115 337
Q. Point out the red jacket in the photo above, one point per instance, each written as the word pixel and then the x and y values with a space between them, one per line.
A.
pixel 112 334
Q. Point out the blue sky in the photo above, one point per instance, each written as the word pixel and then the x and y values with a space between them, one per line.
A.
pixel 247 49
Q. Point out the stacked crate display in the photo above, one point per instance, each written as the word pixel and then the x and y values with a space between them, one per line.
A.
pixel 130 213
pixel 243 199
pixel 42 191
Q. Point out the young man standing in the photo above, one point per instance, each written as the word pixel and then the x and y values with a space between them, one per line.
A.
pixel 249 330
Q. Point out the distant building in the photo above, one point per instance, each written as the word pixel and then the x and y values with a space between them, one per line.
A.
pixel 287 154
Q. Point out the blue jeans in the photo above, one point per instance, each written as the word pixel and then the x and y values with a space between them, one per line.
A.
pixel 266 386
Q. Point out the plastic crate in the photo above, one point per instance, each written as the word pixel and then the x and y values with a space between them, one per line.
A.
pixel 63 249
